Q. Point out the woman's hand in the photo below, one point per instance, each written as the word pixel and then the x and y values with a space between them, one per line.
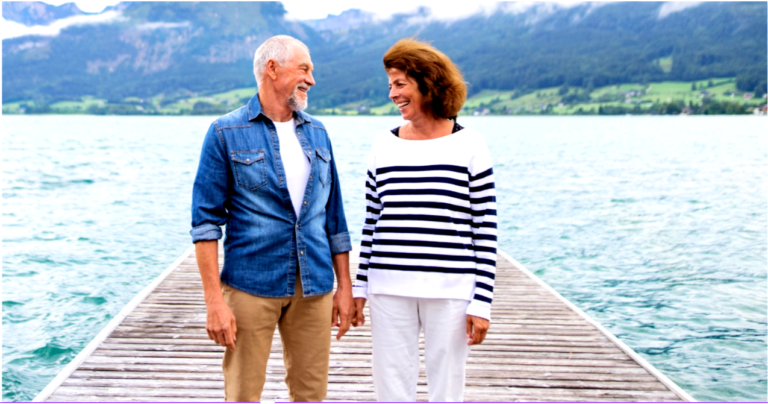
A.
pixel 477 327
pixel 359 318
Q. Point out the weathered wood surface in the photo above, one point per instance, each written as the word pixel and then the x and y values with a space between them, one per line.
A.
pixel 538 349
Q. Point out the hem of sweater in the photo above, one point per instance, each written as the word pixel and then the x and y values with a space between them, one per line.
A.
pixel 421 284
pixel 419 293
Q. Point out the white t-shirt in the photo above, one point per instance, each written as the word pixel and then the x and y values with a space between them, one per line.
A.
pixel 295 162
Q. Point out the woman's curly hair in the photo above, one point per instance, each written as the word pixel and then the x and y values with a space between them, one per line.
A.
pixel 440 81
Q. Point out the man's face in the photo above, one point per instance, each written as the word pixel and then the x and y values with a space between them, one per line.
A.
pixel 295 78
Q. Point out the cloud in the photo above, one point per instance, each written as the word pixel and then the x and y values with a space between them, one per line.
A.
pixel 11 29
pixel 535 11
pixel 673 7
pixel 307 10
pixel 439 10
pixel 162 25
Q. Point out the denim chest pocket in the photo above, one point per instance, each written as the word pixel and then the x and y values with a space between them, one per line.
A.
pixel 250 168
pixel 324 165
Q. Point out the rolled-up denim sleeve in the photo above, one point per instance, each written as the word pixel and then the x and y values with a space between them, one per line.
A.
pixel 335 220
pixel 210 191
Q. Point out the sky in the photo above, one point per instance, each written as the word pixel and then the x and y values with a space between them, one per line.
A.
pixel 309 9
pixel 297 10
pixel 312 9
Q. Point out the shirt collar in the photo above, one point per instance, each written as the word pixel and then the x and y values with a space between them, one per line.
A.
pixel 254 111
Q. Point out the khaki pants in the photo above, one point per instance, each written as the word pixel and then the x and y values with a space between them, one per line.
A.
pixel 305 331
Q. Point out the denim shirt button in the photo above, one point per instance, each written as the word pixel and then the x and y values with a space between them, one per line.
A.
pixel 302 253
pixel 305 202
pixel 277 155
pixel 297 226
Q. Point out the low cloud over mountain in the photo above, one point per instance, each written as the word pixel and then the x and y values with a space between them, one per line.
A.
pixel 146 49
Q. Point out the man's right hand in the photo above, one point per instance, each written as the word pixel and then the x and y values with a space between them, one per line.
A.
pixel 221 325
pixel 359 318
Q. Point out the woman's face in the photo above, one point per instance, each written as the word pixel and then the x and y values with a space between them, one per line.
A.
pixel 404 92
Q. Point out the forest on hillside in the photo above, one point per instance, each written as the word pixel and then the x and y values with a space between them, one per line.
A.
pixel 163 53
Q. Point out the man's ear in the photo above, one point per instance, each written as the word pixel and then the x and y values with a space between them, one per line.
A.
pixel 272 69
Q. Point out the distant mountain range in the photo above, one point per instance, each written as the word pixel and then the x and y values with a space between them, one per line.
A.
pixel 174 49
pixel 36 13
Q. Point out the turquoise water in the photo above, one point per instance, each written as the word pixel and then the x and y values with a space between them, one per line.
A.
pixel 655 226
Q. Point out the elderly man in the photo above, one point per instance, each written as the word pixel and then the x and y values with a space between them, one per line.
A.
pixel 267 172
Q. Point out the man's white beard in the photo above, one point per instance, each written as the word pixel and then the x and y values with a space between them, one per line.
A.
pixel 295 103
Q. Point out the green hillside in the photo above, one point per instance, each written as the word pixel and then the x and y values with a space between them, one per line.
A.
pixel 621 98
pixel 196 58
pixel 569 101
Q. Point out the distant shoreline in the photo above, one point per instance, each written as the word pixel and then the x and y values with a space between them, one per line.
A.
pixel 374 116
pixel 716 96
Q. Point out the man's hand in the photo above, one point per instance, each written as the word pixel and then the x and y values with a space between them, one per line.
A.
pixel 221 325
pixel 477 327
pixel 343 309
pixel 359 318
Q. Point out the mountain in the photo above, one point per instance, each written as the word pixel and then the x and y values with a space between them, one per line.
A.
pixel 545 45
pixel 32 13
pixel 154 48
pixel 175 49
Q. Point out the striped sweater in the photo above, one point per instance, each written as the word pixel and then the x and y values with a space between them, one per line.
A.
pixel 430 227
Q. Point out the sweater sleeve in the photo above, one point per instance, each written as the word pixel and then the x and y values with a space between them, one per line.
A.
pixel 482 197
pixel 372 212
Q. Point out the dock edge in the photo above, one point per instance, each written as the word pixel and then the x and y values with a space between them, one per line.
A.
pixel 629 351
pixel 101 336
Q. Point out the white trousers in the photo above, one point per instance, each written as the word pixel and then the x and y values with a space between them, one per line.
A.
pixel 395 325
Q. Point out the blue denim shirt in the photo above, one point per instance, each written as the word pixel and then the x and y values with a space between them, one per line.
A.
pixel 240 183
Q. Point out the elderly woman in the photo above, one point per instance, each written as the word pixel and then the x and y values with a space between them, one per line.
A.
pixel 428 254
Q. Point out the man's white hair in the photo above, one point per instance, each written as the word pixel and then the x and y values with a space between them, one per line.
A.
pixel 278 48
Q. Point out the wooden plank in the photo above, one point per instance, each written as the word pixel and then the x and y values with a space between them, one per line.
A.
pixel 500 357
pixel 117 393
pixel 509 371
pixel 349 360
pixel 344 383
pixel 479 378
pixel 215 380
pixel 96 398
pixel 351 391
pixel 502 351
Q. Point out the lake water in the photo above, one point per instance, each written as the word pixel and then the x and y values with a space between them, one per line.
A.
pixel 655 226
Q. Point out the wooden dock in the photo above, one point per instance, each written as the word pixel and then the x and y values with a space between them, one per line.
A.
pixel 540 348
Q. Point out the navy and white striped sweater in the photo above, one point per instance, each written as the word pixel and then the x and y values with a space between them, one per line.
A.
pixel 430 228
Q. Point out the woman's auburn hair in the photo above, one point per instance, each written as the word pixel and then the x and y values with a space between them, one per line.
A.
pixel 440 81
